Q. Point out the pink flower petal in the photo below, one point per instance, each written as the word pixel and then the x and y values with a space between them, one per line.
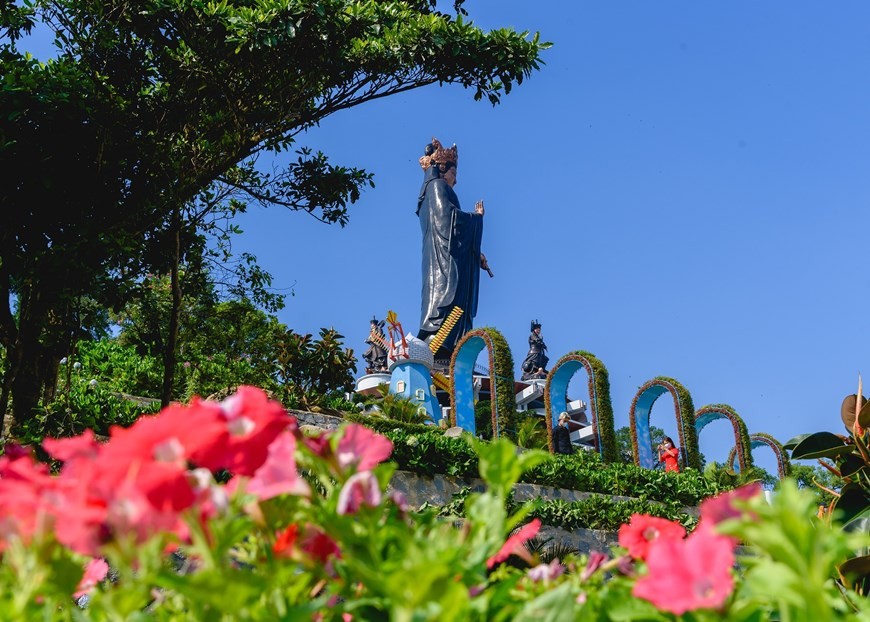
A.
pixel 359 490
pixel 642 529
pixel 95 571
pixel 690 574
pixel 362 448
pixel 514 543
pixel 278 475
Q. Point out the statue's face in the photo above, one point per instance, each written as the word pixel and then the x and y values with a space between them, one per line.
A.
pixel 450 176
pixel 537 330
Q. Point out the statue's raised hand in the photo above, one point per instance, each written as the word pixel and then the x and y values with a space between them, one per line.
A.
pixel 478 208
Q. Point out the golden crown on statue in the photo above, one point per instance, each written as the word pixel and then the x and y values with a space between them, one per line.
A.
pixel 437 154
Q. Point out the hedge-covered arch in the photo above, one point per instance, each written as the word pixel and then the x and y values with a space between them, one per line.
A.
pixel 742 449
pixel 601 418
pixel 501 378
pixel 760 439
pixel 684 410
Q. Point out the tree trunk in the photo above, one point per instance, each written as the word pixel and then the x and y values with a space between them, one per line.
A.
pixel 26 382
pixel 8 336
pixel 172 338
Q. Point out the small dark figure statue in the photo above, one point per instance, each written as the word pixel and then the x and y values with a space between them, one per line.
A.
pixel 376 356
pixel 535 363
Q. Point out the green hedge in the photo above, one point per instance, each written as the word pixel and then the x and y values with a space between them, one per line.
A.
pixel 597 512
pixel 429 452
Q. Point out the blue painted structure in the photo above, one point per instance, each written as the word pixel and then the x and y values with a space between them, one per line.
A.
pixel 557 392
pixel 642 409
pixel 711 413
pixel 463 384
pixel 638 420
pixel 756 441
pixel 415 380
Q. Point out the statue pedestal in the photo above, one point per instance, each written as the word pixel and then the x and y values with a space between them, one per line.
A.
pixel 368 384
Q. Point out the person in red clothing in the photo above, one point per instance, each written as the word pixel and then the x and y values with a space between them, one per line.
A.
pixel 669 455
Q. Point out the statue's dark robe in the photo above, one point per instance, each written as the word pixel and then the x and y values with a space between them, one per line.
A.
pixel 536 357
pixel 451 260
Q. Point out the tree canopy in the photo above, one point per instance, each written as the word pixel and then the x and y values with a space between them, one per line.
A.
pixel 147 105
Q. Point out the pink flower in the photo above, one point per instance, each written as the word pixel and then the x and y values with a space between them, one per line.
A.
pixel 84 446
pixel 95 571
pixel 361 448
pixel 514 544
pixel 400 501
pixel 546 572
pixel 716 509
pixel 320 547
pixel 253 421
pixel 359 490
pixel 684 575
pixel 642 529
pixel 278 475
pixel 594 562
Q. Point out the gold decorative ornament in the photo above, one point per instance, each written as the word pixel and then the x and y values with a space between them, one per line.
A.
pixel 440 156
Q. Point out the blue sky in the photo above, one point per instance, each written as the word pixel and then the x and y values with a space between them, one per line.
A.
pixel 681 190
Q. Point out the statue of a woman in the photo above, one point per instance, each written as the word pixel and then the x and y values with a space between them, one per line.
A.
pixel 451 249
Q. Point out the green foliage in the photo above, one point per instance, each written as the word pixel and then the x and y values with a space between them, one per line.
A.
pixel 586 472
pixel 151 109
pixel 794 561
pixel 532 432
pixel 116 367
pixel 84 405
pixel 603 512
pixel 817 480
pixel 483 418
pixel 598 511
pixel 301 555
pixel 427 451
pixel 310 369
pixel 602 409
pixel 383 426
pixel 221 344
pixel 623 442
pixel 725 477
pixel 848 459
pixel 395 407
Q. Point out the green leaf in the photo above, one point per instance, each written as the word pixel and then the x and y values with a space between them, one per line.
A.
pixel 864 416
pixel 852 504
pixel 793 442
pixel 557 605
pixel 499 465
pixel 851 464
pixel 531 458
pixel 820 445
pixel 856 567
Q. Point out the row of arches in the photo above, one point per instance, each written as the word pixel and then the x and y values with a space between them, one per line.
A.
pixel 690 422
